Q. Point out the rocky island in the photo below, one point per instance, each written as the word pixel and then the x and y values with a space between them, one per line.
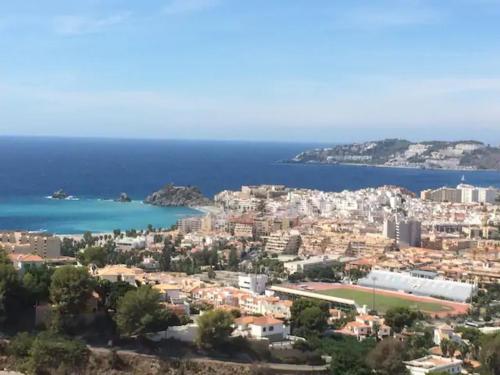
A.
pixel 123 198
pixel 171 195
pixel 457 155
pixel 59 194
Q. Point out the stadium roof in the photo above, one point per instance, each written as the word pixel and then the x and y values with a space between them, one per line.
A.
pixel 453 290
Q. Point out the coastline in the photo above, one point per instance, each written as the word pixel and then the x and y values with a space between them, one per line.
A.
pixel 207 209
pixel 392 166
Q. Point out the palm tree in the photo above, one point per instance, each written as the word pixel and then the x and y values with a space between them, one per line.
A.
pixel 464 349
pixel 444 347
pixel 375 330
pixel 452 348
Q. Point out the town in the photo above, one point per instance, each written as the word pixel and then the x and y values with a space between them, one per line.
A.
pixel 378 280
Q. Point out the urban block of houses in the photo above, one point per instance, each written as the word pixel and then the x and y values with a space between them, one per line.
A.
pixel 42 244
pixel 245 301
pixel 366 325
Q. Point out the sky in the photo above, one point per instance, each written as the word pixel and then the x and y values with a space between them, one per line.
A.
pixel 281 70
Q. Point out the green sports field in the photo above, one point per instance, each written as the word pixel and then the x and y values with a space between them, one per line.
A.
pixel 384 302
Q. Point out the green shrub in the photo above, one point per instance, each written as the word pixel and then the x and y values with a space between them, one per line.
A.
pixel 51 352
pixel 20 345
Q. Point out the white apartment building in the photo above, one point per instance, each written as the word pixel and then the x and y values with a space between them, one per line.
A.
pixel 487 195
pixel 243 230
pixel 189 224
pixel 282 241
pixel 406 232
pixel 130 243
pixel 434 363
pixel 254 283
pixel 306 264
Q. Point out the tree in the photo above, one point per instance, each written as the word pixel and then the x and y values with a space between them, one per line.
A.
pixel 387 357
pixel 211 274
pixel 111 292
pixel 214 328
pixel 464 349
pixel 93 255
pixel 452 348
pixel 399 317
pixel 444 346
pixel 8 285
pixel 348 354
pixel 296 277
pixel 165 259
pixel 70 289
pixel 490 354
pixel 88 239
pixel 312 319
pixel 36 282
pixel 309 316
pixel 233 261
pixel 139 311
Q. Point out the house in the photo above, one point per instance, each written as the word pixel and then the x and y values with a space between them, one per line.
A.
pixel 445 332
pixel 366 325
pixel 335 314
pixel 119 272
pixel 168 292
pixel 434 363
pixel 375 323
pixel 355 328
pixel 262 327
pixel 23 262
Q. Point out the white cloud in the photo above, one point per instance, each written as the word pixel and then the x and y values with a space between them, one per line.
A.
pixel 189 6
pixel 77 25
pixel 398 14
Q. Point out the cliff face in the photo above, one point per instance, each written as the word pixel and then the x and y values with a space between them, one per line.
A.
pixel 171 195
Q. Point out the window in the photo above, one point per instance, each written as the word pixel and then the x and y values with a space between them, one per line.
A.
pixel 264 329
pixel 271 328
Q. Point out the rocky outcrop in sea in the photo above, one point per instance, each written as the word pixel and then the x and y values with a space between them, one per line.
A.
pixel 59 194
pixel 171 195
pixel 124 198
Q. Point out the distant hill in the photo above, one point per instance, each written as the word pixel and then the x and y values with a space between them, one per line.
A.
pixel 456 155
pixel 171 195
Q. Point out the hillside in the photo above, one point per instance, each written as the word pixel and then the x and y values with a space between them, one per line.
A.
pixel 468 154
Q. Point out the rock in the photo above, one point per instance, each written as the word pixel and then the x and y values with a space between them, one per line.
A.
pixel 171 195
pixel 59 194
pixel 123 198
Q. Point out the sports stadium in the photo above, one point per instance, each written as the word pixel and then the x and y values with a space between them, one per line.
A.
pixel 346 296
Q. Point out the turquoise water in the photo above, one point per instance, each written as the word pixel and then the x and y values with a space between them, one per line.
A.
pixel 78 216
pixel 31 168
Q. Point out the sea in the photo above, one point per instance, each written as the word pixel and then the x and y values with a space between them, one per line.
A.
pixel 95 171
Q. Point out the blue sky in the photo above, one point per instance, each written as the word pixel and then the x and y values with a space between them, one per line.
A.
pixel 288 70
